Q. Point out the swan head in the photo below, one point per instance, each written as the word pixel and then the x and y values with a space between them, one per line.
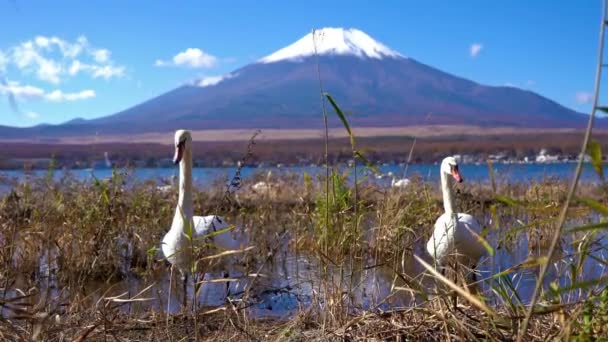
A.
pixel 182 140
pixel 449 166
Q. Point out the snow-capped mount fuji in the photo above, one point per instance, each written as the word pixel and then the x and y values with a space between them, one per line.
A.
pixel 333 41
pixel 380 86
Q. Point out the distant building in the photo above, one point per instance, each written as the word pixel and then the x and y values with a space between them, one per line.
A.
pixel 544 157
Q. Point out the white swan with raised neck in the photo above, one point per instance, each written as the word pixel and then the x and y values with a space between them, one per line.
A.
pixel 454 233
pixel 175 244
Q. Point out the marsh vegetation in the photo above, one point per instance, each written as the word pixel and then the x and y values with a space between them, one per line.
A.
pixel 80 261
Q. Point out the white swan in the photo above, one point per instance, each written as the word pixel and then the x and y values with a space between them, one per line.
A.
pixel 400 183
pixel 261 187
pixel 175 245
pixel 168 186
pixel 455 233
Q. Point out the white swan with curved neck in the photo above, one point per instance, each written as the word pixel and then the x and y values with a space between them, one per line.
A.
pixel 455 233
pixel 175 244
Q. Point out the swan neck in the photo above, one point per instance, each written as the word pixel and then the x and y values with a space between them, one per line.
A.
pixel 448 193
pixel 185 185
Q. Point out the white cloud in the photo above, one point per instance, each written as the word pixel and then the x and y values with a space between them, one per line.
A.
pixel 51 59
pixel 25 92
pixel 32 115
pixel 76 67
pixel 67 49
pixel 3 61
pixel 475 49
pixel 101 55
pixel 59 96
pixel 49 71
pixel 28 93
pixel 43 42
pixel 192 58
pixel 212 80
pixel 583 97
pixel 107 71
pixel 25 55
pixel 71 50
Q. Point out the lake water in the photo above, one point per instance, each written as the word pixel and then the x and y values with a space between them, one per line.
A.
pixel 512 173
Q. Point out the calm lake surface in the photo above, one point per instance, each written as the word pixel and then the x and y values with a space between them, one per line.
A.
pixel 512 173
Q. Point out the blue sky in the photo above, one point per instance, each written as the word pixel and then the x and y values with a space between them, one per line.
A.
pixel 68 59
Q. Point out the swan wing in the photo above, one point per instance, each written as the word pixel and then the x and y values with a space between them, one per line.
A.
pixel 468 237
pixel 442 241
pixel 206 225
pixel 450 235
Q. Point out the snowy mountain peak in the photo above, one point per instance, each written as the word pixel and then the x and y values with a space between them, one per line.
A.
pixel 333 41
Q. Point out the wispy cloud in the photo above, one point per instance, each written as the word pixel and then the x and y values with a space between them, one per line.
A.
pixel 30 93
pixel 212 80
pixel 59 96
pixel 101 55
pixel 191 58
pixel 52 59
pixel 22 92
pixel 3 61
pixel 475 49
pixel 583 97
pixel 32 115
pixel 107 71
pixel 524 85
pixel 96 71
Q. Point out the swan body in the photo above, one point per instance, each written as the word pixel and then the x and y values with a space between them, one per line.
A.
pixel 169 184
pixel 400 183
pixel 261 187
pixel 175 244
pixel 454 233
pixel 165 189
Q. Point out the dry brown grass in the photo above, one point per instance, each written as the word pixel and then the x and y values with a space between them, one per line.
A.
pixel 84 224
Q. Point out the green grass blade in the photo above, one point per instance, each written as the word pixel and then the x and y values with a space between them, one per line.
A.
pixel 580 285
pixel 595 205
pixel 342 117
pixel 217 232
pixel 587 227
pixel 367 163
pixel 528 263
pixel 508 201
pixel 595 152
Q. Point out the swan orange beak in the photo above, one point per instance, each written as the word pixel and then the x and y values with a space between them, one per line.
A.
pixel 179 152
pixel 456 174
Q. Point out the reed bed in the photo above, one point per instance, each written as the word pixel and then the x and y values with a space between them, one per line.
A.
pixel 57 236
